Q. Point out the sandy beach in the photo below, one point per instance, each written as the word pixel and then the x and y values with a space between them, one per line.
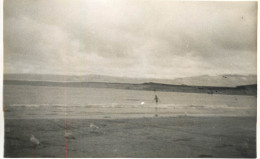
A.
pixel 141 137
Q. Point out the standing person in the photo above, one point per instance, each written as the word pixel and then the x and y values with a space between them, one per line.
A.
pixel 156 101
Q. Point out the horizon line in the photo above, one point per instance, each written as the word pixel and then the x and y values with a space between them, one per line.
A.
pixel 80 75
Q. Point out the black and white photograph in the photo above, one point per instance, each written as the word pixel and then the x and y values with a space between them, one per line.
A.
pixel 129 79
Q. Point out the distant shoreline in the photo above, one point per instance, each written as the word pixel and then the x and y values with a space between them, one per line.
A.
pixel 239 90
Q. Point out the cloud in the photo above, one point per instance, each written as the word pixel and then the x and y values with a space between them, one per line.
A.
pixel 159 39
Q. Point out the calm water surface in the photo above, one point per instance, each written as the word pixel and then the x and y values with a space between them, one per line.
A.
pixel 54 102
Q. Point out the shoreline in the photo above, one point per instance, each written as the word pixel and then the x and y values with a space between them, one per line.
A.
pixel 134 117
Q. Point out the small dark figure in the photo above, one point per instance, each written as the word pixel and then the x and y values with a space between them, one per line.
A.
pixel 156 99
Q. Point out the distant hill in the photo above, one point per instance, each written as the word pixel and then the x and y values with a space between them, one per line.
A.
pixel 220 80
pixel 70 78
pixel 205 80
pixel 239 90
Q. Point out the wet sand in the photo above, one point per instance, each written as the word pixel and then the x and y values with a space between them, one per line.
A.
pixel 138 137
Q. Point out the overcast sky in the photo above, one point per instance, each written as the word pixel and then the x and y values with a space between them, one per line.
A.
pixel 134 38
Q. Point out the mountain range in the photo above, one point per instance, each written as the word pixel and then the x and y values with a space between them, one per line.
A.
pixel 203 80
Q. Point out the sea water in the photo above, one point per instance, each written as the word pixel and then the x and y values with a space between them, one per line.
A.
pixel 22 101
